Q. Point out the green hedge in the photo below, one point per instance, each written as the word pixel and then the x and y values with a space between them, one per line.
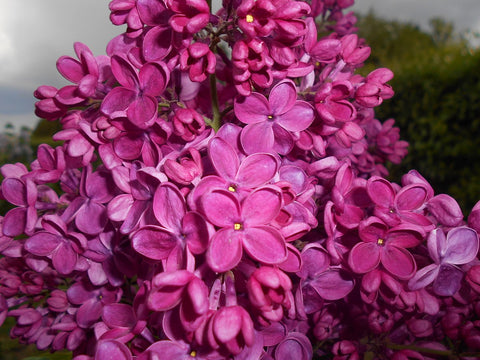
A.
pixel 437 107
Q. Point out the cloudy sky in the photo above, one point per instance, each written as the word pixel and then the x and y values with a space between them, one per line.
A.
pixel 35 33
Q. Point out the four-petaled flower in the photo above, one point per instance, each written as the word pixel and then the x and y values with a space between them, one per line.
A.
pixel 244 226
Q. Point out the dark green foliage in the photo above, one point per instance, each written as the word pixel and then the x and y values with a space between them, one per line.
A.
pixel 436 102
pixel 43 133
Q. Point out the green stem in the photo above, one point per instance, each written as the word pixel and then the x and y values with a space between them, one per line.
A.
pixel 215 124
pixel 420 349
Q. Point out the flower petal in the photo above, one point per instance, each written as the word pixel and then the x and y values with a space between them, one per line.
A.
pixel 42 243
pixel 265 244
pixel 261 206
pixel 448 281
pixel 398 261
pixel 282 97
pixel 169 206
pixel 462 246
pixel 256 170
pixel 252 109
pixel 380 191
pixel 364 257
pixel 225 250
pixel 333 284
pixel 298 118
pixel 153 242
pixel 257 137
pixel 111 349
pixel 423 277
pixel 221 208
pixel 224 158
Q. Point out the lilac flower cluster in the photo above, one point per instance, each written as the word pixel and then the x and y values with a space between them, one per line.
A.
pixel 220 193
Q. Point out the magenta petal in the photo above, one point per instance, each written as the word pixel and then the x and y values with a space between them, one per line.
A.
pixel 372 229
pixel 14 191
pixel 117 101
pixel 221 208
pixel 333 284
pixel 261 206
pixel 283 143
pixel 445 209
pixel 42 243
pixel 265 244
pixel 252 109
pixel 124 72
pixel 196 232
pixel 225 250
pixel 283 97
pixel 448 281
pixel 295 345
pixel 128 147
pixel 142 112
pixel 157 43
pixel 119 315
pixel 256 170
pixel 257 137
pixel 135 214
pixel 111 349
pixel 153 79
pixel 166 349
pixel 298 118
pixel 364 257
pixel 153 242
pixel 437 244
pixel 64 259
pixel 462 246
pixel 380 191
pixel 14 222
pixel 91 218
pixel 398 261
pixel 411 197
pixel 98 186
pixel 70 69
pixel 168 289
pixel 78 146
pixel 169 206
pixel 228 323
pixel 119 207
pixel 423 277
pixel 89 312
pixel 224 158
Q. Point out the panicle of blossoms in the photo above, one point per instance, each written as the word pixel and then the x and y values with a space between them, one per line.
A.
pixel 219 193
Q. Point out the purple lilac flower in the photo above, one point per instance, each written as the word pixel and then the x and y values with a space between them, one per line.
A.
pixel 270 122
pixel 241 225
pixel 458 247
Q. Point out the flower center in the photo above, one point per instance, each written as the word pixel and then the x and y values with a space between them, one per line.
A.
pixel 270 117
pixel 232 188
pixel 380 242
pixel 249 18
pixel 237 226
pixel 193 353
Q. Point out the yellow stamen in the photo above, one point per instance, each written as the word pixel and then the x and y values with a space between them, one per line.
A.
pixel 380 241
pixel 249 18
pixel 232 188
pixel 193 353
pixel 270 117
pixel 237 226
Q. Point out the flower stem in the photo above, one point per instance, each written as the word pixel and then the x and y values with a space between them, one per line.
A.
pixel 215 124
pixel 420 349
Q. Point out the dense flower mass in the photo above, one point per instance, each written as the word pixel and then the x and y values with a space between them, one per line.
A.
pixel 220 193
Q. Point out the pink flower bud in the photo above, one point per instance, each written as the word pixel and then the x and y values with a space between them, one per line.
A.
pixel 269 290
pixel 188 124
